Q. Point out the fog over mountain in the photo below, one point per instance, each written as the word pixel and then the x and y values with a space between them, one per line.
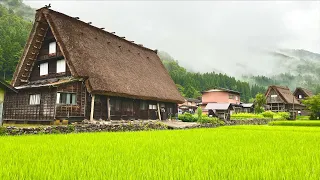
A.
pixel 237 38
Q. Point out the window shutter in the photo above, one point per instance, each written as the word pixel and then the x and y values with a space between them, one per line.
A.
pixel 43 69
pixel 74 99
pixel 61 66
pixel 58 98
pixel 52 47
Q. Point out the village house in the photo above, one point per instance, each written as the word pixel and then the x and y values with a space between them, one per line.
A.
pixel 189 105
pixel 301 94
pixel 220 102
pixel 4 87
pixel 281 99
pixel 72 70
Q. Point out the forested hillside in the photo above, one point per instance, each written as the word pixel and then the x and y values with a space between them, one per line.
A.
pixel 14 31
pixel 191 84
pixel 19 8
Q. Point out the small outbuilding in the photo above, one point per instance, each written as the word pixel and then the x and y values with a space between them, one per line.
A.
pixel 4 87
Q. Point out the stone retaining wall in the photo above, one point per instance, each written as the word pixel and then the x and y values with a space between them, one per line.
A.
pixel 84 127
pixel 87 126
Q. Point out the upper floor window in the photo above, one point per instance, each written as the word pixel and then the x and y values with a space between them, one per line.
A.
pixel 236 98
pixel 34 99
pixel 273 95
pixel 231 96
pixel 43 69
pixel 300 96
pixel 61 66
pixel 52 48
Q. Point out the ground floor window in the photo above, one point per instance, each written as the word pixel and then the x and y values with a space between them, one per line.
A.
pixel 143 105
pixel 34 99
pixel 152 106
pixel 67 98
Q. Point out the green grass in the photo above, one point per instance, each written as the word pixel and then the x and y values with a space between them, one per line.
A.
pixel 296 123
pixel 230 152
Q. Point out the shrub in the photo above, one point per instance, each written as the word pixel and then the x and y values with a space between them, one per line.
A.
pixel 284 115
pixel 212 120
pixel 199 113
pixel 187 117
pixel 3 131
pixel 268 114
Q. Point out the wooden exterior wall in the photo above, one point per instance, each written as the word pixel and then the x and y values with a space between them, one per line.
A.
pixel 69 110
pixel 17 107
pixel 129 109
pixel 44 56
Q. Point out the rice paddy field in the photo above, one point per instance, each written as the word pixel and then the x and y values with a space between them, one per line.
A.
pixel 237 152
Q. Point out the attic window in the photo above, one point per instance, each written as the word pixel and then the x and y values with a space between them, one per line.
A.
pixel 52 48
pixel 274 96
pixel 43 69
pixel 61 66
pixel 300 96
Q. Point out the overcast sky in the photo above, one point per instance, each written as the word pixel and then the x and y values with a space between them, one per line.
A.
pixel 205 36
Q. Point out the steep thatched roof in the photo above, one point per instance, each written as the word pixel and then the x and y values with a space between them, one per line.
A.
pixel 285 94
pixel 112 65
pixel 307 92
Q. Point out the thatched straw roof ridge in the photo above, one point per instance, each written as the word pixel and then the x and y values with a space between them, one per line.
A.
pixel 122 38
pixel 285 94
pixel 113 65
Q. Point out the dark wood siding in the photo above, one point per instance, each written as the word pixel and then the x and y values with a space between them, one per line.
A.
pixel 129 109
pixel 69 110
pixel 17 107
pixel 44 56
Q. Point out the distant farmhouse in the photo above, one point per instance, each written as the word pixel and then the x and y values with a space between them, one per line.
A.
pixel 221 102
pixel 280 99
pixel 72 70
pixel 190 105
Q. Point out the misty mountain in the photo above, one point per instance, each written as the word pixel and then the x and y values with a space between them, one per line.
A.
pixel 19 8
pixel 292 68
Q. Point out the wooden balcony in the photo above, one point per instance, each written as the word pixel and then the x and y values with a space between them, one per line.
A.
pixel 50 56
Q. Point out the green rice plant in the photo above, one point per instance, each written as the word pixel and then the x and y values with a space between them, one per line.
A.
pixel 245 116
pixel 228 152
pixel 295 123
pixel 303 117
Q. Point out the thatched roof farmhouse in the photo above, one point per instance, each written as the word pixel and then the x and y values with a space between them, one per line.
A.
pixel 67 64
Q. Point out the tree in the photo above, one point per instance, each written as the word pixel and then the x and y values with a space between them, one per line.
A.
pixel 313 104
pixel 260 101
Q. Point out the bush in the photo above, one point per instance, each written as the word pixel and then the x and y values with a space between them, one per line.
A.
pixel 199 113
pixel 283 115
pixel 212 120
pixel 268 114
pixel 187 117
pixel 3 131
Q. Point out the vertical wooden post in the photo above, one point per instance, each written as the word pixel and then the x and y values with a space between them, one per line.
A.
pixel 108 106
pixel 159 114
pixel 92 107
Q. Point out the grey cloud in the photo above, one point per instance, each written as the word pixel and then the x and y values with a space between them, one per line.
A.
pixel 206 36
